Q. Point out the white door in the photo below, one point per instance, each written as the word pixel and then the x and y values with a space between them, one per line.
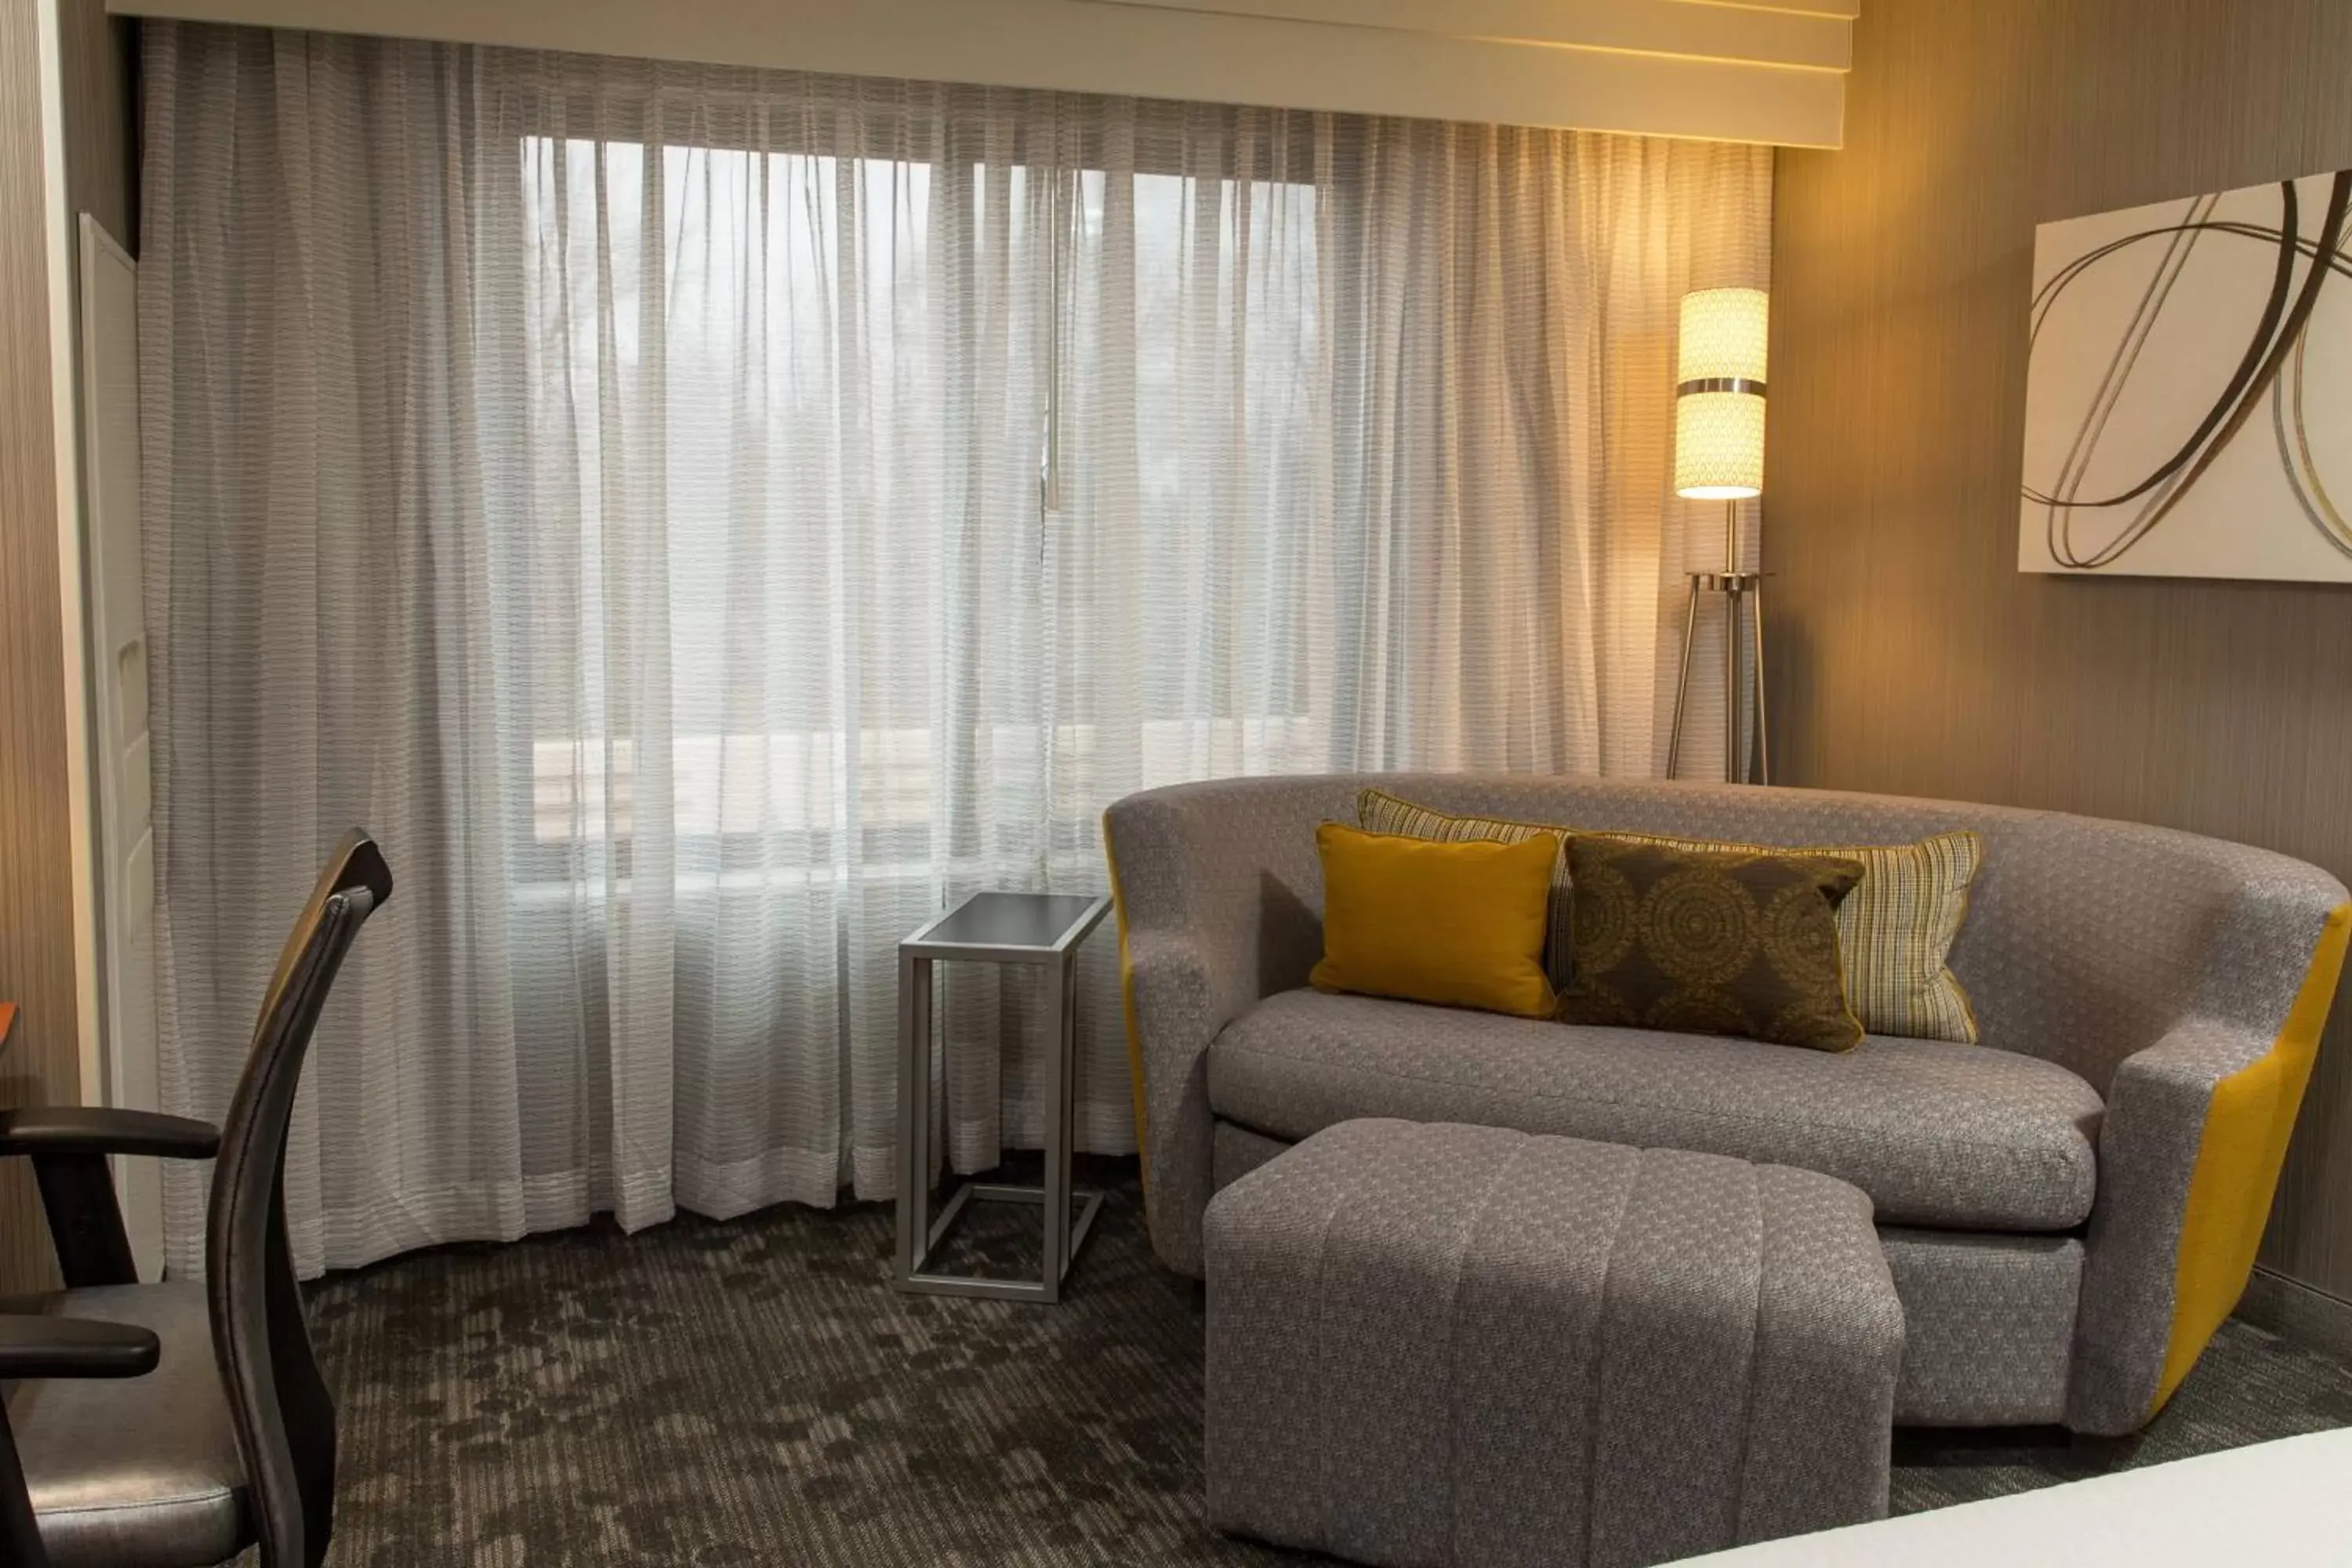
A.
pixel 126 842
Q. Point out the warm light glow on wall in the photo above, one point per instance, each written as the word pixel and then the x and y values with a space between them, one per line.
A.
pixel 1719 409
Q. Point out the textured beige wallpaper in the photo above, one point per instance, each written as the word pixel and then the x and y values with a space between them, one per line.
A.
pixel 36 896
pixel 1912 655
pixel 36 936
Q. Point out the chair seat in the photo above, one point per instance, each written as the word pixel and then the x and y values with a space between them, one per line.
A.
pixel 1938 1134
pixel 138 1472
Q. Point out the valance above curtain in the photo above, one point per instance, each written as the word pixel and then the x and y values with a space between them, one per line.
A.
pixel 706 521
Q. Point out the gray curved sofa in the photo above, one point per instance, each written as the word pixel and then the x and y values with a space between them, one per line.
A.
pixel 2069 1208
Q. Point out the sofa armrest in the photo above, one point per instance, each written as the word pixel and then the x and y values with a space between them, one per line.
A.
pixel 2189 1152
pixel 1217 892
pixel 1179 994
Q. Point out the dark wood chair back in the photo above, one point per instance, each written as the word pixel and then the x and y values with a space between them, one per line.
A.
pixel 285 1418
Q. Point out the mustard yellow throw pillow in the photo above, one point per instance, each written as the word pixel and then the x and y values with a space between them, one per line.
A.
pixel 1376 811
pixel 1458 924
pixel 1895 929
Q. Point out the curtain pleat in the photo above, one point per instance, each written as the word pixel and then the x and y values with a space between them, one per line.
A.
pixel 707 521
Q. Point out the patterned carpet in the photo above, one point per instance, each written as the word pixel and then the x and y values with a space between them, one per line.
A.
pixel 754 1393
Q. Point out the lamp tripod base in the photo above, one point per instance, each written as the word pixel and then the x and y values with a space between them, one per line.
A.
pixel 1745 746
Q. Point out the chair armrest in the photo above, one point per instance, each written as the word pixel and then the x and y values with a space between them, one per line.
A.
pixel 97 1130
pixel 68 1145
pixel 37 1346
pixel 2189 1153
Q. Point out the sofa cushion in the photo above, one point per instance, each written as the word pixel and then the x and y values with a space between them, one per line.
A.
pixel 1937 1134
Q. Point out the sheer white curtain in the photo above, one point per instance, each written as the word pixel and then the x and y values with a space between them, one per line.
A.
pixel 705 522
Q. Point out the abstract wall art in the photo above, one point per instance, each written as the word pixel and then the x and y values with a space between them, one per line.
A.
pixel 2188 394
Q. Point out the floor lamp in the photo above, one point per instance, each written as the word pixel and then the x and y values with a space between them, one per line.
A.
pixel 1719 456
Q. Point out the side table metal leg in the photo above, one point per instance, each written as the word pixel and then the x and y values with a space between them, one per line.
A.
pixel 1069 1059
pixel 914 1112
pixel 1057 1205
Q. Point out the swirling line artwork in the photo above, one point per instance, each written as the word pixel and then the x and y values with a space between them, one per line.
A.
pixel 2188 388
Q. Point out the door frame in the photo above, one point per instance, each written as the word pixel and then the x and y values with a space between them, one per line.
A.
pixel 106 1074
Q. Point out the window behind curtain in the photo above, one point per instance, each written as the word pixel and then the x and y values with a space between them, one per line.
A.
pixel 753 252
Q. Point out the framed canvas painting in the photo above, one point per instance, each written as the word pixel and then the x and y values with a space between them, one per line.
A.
pixel 2188 394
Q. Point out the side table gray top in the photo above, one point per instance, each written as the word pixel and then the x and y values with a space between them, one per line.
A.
pixel 1010 928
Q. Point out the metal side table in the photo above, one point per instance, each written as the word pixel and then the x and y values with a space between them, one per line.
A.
pixel 1040 928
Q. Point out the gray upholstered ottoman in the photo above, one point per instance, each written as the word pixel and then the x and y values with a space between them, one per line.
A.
pixel 1439 1344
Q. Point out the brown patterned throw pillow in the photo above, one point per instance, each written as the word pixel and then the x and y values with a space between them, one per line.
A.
pixel 1709 942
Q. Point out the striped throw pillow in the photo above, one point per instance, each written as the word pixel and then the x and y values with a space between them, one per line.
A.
pixel 1895 929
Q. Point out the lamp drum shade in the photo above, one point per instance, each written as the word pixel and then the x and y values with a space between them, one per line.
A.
pixel 1719 406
